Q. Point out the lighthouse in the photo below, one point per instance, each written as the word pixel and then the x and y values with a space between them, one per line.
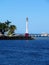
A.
pixel 26 33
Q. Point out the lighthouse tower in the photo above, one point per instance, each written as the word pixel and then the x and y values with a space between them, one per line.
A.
pixel 26 33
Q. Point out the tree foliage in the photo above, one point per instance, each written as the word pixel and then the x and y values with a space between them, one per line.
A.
pixel 6 27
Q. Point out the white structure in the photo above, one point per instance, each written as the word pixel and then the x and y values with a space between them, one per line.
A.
pixel 27 25
pixel 44 34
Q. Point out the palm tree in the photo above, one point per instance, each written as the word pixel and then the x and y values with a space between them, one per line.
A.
pixel 6 27
pixel 11 29
pixel 0 27
pixel 7 23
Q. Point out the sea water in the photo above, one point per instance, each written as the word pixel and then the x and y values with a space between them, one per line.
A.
pixel 24 52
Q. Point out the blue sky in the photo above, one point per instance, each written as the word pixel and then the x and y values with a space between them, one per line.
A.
pixel 16 11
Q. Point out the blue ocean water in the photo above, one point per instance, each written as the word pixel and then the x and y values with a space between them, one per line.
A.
pixel 24 52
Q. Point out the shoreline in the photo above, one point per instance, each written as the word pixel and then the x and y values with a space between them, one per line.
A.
pixel 16 38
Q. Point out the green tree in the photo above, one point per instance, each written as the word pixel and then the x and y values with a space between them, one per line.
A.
pixel 11 29
pixel 2 27
pixel 6 27
pixel 7 23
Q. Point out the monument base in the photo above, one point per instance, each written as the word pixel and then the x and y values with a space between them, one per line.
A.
pixel 26 35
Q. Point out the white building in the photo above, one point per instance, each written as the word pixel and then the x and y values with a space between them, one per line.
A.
pixel 44 34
